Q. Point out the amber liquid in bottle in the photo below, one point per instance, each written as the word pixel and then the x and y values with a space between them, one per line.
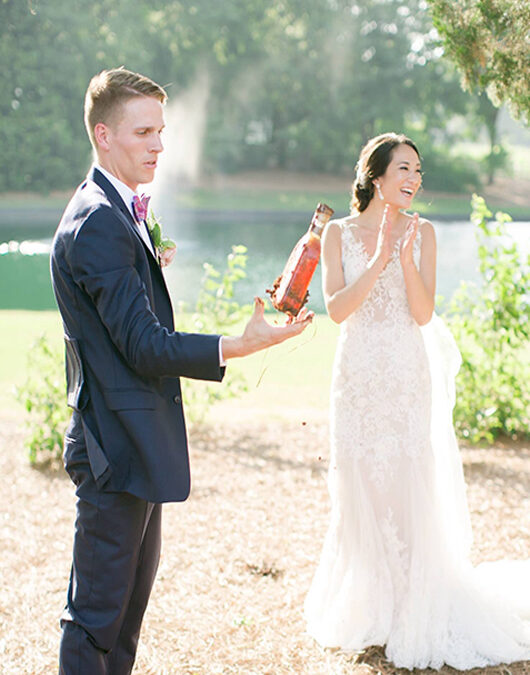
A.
pixel 289 292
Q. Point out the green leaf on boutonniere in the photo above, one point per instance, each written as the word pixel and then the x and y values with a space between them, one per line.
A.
pixel 161 243
pixel 166 243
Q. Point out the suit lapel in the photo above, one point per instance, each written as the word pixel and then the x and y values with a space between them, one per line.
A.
pixel 116 199
pixel 111 193
pixel 118 202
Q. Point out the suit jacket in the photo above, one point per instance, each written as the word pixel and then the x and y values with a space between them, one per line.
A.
pixel 123 357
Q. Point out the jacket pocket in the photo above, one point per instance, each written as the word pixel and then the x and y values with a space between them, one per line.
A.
pixel 75 381
pixel 129 399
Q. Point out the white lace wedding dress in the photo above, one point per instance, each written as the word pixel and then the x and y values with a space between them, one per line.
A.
pixel 394 568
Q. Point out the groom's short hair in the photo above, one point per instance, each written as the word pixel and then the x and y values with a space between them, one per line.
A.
pixel 109 90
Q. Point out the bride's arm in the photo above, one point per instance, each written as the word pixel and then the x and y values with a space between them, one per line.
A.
pixel 420 284
pixel 342 299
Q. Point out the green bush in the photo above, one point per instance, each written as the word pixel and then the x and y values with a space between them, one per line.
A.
pixel 43 393
pixel 491 326
pixel 216 311
pixel 43 396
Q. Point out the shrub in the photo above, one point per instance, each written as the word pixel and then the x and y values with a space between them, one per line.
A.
pixel 43 396
pixel 491 326
pixel 216 311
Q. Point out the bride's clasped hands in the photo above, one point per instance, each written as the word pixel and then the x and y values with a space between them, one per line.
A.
pixel 386 242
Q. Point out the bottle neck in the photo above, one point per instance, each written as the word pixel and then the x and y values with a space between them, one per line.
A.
pixel 320 217
pixel 317 226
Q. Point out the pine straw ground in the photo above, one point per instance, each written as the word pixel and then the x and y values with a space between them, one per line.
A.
pixel 237 557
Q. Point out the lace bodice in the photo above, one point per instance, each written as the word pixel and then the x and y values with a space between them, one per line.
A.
pixel 381 387
pixel 387 300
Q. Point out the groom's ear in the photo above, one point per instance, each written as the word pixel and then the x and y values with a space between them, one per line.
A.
pixel 101 136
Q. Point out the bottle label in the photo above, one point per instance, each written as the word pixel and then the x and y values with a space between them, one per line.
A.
pixel 321 216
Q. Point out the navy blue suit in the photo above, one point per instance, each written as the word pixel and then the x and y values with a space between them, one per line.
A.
pixel 126 447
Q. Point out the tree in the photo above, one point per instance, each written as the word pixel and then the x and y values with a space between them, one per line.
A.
pixel 299 84
pixel 329 75
pixel 488 41
pixel 48 53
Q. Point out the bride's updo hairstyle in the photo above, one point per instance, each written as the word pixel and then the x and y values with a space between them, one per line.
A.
pixel 373 162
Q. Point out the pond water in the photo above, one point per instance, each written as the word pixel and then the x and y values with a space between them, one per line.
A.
pixel 24 266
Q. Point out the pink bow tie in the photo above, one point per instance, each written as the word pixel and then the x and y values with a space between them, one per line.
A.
pixel 140 205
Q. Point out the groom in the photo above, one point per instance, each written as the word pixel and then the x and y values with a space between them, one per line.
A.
pixel 125 447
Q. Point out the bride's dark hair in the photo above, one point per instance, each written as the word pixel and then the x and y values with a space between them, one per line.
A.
pixel 373 162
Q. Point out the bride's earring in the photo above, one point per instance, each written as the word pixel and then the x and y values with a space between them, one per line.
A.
pixel 378 187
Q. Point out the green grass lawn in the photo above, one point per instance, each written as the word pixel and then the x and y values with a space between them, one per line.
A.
pixel 289 381
pixel 293 376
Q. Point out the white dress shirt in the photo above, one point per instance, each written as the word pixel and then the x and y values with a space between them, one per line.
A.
pixel 127 195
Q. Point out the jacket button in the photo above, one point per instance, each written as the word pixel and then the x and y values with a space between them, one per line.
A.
pixel 176 399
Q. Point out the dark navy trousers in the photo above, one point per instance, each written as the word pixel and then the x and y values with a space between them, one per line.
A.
pixel 115 558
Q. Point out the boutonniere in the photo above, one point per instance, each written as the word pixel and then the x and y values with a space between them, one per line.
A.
pixel 165 247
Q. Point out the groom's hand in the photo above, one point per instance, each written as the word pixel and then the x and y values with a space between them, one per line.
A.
pixel 259 334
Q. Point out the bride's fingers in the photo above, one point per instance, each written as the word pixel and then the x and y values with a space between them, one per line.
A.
pixel 414 225
pixel 410 234
pixel 387 221
pixel 384 218
pixel 405 244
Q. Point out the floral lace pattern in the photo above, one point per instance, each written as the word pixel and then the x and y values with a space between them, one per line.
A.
pixel 381 386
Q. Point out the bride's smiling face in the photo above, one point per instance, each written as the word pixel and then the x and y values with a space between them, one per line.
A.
pixel 402 178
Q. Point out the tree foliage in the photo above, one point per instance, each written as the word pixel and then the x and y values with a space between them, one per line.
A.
pixel 489 42
pixel 292 83
pixel 216 312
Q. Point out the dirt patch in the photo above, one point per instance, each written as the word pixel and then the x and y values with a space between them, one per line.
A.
pixel 237 557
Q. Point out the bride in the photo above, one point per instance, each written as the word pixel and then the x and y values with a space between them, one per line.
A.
pixel 394 568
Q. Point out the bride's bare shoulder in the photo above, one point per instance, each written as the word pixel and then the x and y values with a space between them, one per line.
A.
pixel 332 237
pixel 426 226
pixel 423 223
pixel 335 228
pixel 343 223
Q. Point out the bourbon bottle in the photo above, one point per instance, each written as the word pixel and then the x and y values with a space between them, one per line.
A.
pixel 289 292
